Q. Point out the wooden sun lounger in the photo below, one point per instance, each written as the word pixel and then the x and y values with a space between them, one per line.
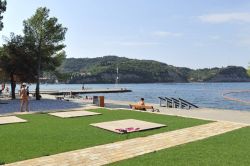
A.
pixel 142 107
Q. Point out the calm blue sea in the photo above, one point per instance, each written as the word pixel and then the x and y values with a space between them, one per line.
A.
pixel 201 94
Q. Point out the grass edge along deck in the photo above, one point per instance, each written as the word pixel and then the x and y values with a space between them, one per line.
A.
pixel 113 152
pixel 49 131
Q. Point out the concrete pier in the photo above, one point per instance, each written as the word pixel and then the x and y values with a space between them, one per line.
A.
pixel 85 91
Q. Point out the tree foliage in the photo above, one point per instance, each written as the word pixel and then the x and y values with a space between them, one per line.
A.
pixel 45 36
pixel 16 60
pixel 2 10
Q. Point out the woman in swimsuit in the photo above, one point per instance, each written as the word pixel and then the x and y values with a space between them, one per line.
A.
pixel 24 98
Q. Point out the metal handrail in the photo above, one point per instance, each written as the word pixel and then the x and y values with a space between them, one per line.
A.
pixel 176 103
pixel 188 103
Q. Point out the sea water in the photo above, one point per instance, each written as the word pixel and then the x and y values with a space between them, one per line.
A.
pixel 202 94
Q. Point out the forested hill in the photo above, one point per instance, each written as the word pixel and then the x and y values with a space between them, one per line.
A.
pixel 103 70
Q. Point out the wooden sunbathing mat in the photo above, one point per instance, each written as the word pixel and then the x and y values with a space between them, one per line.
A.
pixel 127 125
pixel 71 114
pixel 10 119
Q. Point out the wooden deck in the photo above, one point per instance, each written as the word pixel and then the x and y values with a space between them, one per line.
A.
pixel 85 91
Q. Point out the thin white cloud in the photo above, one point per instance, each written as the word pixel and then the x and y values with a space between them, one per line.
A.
pixel 225 17
pixel 139 43
pixel 199 44
pixel 166 34
pixel 245 42
pixel 135 43
pixel 214 37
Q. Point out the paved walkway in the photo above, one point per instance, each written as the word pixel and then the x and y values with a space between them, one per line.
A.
pixel 211 114
pixel 105 154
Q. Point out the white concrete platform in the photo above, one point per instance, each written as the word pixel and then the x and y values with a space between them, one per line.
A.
pixel 11 119
pixel 127 125
pixel 71 114
pixel 200 113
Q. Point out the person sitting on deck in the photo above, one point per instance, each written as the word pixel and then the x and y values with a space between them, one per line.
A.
pixel 141 102
pixel 141 106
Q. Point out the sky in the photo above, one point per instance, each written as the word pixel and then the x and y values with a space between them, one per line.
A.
pixel 184 33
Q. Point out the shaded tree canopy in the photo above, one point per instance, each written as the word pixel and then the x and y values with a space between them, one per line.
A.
pixel 45 36
pixel 2 10
pixel 16 61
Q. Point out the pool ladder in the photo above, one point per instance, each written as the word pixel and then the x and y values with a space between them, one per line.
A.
pixel 176 103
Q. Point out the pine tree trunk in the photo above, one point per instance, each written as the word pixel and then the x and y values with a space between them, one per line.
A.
pixel 13 86
pixel 38 77
pixel 38 90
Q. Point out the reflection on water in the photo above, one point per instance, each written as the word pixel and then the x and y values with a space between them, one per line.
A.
pixel 201 94
pixel 242 95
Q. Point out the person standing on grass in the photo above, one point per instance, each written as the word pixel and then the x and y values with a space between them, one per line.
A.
pixel 24 98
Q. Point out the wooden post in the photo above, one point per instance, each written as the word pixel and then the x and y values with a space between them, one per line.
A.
pixel 101 101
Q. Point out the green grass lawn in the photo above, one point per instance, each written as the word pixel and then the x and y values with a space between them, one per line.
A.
pixel 45 135
pixel 228 149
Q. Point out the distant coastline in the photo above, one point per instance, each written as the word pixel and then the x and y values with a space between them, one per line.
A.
pixel 104 70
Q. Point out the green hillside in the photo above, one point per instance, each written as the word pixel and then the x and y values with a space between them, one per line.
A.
pixel 103 70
